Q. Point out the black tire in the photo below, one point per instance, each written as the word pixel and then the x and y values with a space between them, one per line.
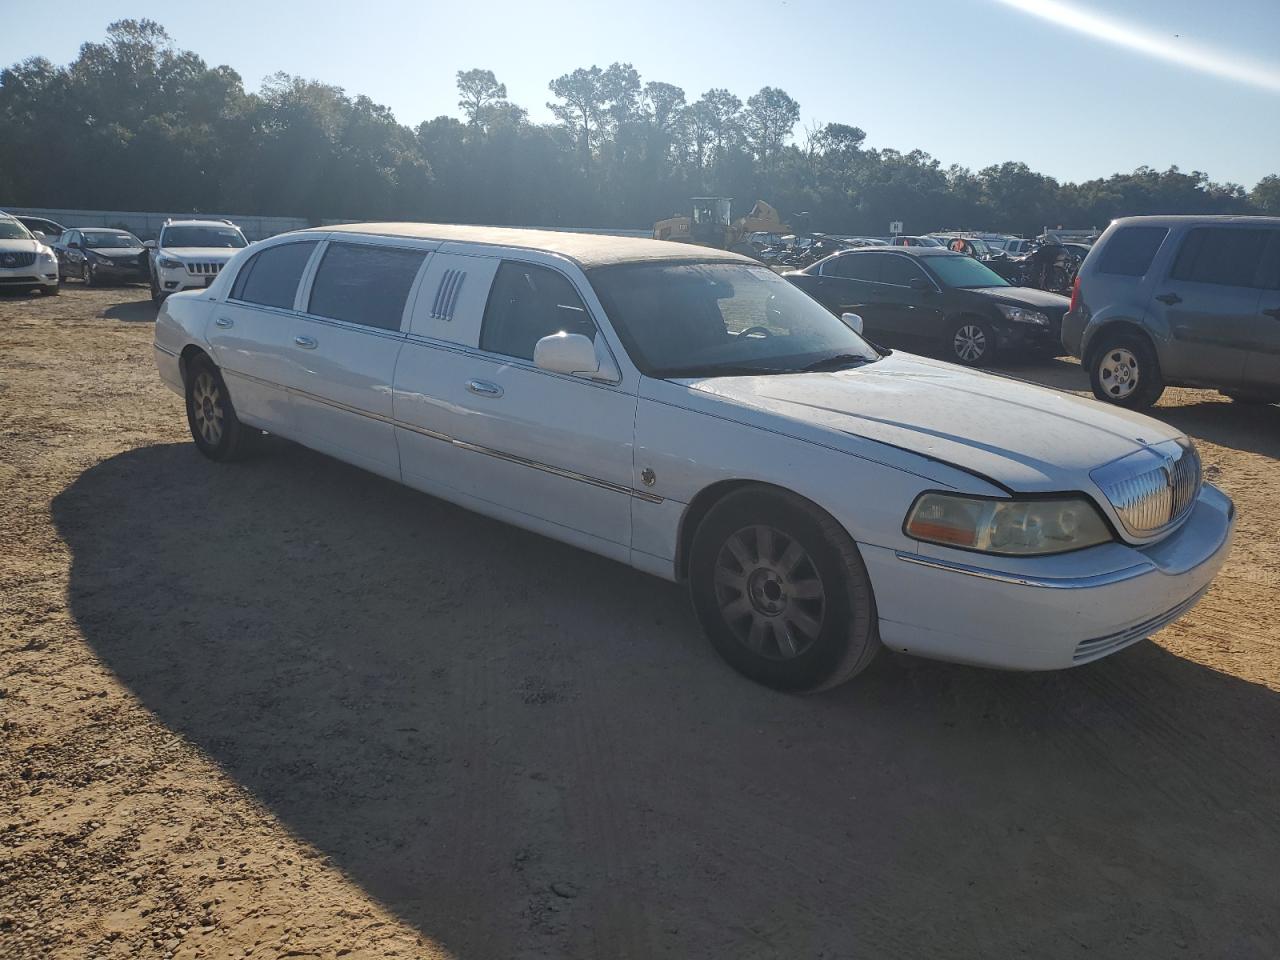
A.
pixel 1138 388
pixel 157 296
pixel 970 341
pixel 807 643
pixel 86 274
pixel 215 428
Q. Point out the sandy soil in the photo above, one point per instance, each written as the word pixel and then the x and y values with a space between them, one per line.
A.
pixel 288 709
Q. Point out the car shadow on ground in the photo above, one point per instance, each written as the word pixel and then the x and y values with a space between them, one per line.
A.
pixel 133 311
pixel 462 715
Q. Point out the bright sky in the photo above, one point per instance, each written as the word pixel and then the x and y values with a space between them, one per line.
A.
pixel 1075 88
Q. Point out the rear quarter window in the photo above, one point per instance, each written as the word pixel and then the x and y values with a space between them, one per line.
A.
pixel 1226 256
pixel 1129 251
pixel 271 277
pixel 364 284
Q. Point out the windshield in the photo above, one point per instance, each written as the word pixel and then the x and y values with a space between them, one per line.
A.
pixel 97 240
pixel 228 237
pixel 965 272
pixel 13 230
pixel 720 319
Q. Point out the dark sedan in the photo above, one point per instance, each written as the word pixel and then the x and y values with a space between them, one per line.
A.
pixel 927 297
pixel 100 255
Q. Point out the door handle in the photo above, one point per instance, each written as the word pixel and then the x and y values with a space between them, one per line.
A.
pixel 1273 313
pixel 1169 298
pixel 484 388
pixel 225 322
pixel 306 343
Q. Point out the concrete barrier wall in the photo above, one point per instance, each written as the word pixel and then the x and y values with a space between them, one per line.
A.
pixel 147 225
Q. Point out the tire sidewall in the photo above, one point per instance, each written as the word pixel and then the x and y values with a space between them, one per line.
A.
pixel 816 665
pixel 225 448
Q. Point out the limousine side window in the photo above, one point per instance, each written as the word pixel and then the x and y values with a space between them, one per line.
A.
pixel 528 303
pixel 270 278
pixel 365 284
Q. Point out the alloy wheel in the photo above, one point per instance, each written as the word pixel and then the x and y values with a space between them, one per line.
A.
pixel 769 592
pixel 206 407
pixel 1118 372
pixel 969 343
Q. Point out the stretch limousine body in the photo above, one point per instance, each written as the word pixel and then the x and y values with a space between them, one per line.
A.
pixel 690 413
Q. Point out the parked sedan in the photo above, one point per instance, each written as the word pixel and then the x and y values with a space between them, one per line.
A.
pixel 936 299
pixel 100 255
pixel 690 413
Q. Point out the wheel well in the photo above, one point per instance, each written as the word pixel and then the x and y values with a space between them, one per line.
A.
pixel 189 353
pixel 1109 332
pixel 704 501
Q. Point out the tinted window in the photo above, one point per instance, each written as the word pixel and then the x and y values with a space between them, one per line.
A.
pixel 965 272
pixel 109 239
pixel 526 304
pixel 227 237
pixel 1130 250
pixel 1220 255
pixel 858 266
pixel 364 284
pixel 271 277
pixel 1269 272
pixel 899 271
pixel 13 230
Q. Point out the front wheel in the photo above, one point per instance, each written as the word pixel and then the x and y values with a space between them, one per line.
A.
pixel 215 428
pixel 781 591
pixel 156 294
pixel 971 342
pixel 1124 370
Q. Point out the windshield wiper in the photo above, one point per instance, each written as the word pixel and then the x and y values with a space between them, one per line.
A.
pixel 837 362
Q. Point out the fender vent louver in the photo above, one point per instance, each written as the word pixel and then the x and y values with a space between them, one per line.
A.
pixel 447 294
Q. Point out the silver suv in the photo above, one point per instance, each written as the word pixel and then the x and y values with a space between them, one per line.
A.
pixel 1179 301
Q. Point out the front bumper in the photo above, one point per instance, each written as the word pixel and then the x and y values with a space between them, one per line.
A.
pixel 41 273
pixel 1047 613
pixel 116 270
pixel 173 279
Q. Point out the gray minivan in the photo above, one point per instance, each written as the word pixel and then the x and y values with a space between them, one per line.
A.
pixel 1179 301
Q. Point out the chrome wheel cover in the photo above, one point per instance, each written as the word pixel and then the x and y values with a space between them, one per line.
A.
pixel 769 592
pixel 1118 373
pixel 969 343
pixel 206 407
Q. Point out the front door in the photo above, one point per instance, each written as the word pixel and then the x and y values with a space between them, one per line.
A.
pixel 481 424
pixel 909 300
pixel 1262 368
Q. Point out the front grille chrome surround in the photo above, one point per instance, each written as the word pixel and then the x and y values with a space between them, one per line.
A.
pixel 204 268
pixel 1152 490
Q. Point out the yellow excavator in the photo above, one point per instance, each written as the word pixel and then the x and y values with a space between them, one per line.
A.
pixel 709 224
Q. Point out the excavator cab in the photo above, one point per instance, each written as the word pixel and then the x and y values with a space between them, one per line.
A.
pixel 709 225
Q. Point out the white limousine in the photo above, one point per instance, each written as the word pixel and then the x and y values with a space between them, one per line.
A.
pixel 690 413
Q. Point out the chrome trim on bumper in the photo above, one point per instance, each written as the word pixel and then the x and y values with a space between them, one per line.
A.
pixel 1026 580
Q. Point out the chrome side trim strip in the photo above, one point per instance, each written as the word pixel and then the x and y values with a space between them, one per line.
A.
pixel 1026 580
pixel 463 444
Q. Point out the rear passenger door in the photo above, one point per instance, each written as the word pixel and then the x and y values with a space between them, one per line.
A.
pixel 1209 303
pixel 1262 368
pixel 344 348
pixel 251 334
pixel 485 427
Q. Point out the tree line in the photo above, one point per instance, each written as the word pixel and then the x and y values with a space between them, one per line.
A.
pixel 136 123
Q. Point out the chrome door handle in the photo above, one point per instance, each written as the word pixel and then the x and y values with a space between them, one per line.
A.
pixel 484 388
pixel 225 322
pixel 306 343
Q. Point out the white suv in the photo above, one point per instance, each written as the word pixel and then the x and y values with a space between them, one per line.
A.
pixel 190 253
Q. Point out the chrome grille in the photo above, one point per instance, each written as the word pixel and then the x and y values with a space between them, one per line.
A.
pixel 1152 489
pixel 17 259
pixel 204 269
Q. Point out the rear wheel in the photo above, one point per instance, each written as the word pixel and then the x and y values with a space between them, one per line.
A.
pixel 1124 370
pixel 970 341
pixel 781 591
pixel 215 428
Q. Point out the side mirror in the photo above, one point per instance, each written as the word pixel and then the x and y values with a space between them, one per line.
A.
pixel 570 353
pixel 919 283
pixel 149 244
pixel 73 245
pixel 853 321
pixel 40 235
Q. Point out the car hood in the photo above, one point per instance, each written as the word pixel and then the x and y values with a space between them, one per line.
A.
pixel 201 253
pixel 1024 437
pixel 19 246
pixel 119 253
pixel 1022 296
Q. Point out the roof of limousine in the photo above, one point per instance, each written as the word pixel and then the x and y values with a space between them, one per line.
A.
pixel 586 249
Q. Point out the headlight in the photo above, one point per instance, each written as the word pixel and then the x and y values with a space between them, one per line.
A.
pixel 1011 527
pixel 169 264
pixel 1023 315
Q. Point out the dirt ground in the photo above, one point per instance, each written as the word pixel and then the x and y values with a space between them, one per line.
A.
pixel 288 709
